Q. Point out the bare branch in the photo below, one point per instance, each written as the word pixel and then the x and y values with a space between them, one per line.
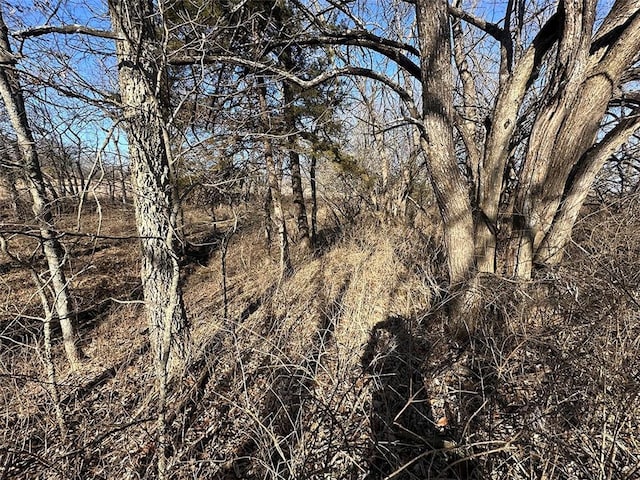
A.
pixel 492 29
pixel 627 99
pixel 620 15
pixel 389 48
pixel 631 75
pixel 352 35
pixel 265 68
pixel 65 29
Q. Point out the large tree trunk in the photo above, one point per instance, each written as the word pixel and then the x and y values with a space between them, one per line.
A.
pixel 587 73
pixel 11 93
pixel 144 92
pixel 437 140
pixel 515 81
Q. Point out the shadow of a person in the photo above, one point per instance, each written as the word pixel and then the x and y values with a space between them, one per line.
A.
pixel 407 442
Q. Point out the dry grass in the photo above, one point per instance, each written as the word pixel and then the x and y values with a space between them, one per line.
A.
pixel 343 370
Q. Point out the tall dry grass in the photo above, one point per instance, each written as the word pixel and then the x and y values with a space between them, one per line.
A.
pixel 344 370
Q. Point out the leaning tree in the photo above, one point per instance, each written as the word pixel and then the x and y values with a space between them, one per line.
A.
pixel 12 95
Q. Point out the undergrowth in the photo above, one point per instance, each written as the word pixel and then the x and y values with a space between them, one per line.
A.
pixel 345 369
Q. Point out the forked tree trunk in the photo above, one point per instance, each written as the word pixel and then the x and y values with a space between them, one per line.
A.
pixel 515 81
pixel 11 93
pixel 554 183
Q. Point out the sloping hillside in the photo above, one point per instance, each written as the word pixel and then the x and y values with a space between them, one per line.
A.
pixel 344 370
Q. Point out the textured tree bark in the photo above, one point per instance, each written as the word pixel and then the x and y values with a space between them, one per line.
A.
pixel 581 179
pixel 437 141
pixel 11 93
pixel 273 179
pixel 586 75
pixel 144 92
pixel 514 83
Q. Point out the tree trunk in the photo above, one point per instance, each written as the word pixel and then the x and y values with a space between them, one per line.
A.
pixel 299 209
pixel 52 381
pixel 514 84
pixel 11 93
pixel 401 207
pixel 286 267
pixel 145 93
pixel 314 200
pixel 581 179
pixel 437 140
pixel 267 204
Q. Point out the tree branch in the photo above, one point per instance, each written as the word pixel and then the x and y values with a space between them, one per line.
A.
pixel 388 48
pixel 265 68
pixel 627 99
pixel 630 75
pixel 64 29
pixel 492 29
pixel 619 16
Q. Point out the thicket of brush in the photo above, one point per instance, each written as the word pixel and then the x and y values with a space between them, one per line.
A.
pixel 345 370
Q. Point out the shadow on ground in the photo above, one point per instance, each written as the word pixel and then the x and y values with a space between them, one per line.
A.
pixel 407 441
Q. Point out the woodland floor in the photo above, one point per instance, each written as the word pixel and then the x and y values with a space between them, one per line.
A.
pixel 343 371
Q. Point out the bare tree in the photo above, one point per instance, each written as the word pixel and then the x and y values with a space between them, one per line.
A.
pixel 542 129
pixel 13 99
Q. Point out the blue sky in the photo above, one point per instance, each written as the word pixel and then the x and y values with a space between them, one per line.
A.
pixel 80 66
pixel 70 61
